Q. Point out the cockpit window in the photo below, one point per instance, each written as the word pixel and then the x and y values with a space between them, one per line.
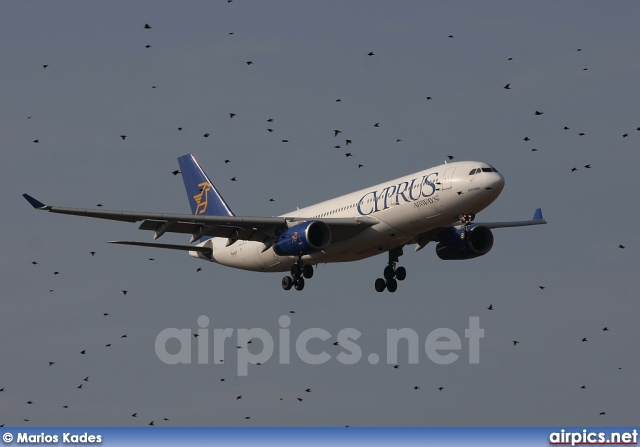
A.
pixel 494 169
pixel 487 170
pixel 473 171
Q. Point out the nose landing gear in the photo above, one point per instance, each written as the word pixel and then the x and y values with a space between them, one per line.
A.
pixel 392 274
pixel 298 273
pixel 466 220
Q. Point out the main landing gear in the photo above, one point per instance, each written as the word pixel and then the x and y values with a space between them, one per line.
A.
pixel 392 274
pixel 298 273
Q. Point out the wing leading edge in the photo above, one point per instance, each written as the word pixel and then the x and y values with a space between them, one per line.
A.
pixel 247 228
pixel 438 234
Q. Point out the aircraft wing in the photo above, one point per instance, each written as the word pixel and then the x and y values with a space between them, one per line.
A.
pixel 437 234
pixel 537 220
pixel 233 227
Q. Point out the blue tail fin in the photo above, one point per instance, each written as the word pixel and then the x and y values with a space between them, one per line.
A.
pixel 204 198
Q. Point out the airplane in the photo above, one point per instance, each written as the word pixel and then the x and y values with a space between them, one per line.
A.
pixel 438 205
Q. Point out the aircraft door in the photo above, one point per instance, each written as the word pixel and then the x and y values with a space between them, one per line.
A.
pixel 447 177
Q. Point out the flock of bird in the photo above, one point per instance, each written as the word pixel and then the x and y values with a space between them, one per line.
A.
pixel 341 142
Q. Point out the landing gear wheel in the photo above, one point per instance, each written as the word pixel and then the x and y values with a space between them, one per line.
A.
pixel 299 283
pixel 389 273
pixel 392 285
pixel 307 271
pixel 401 273
pixel 380 285
pixel 287 282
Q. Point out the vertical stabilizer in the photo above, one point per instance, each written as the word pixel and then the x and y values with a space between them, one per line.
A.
pixel 204 198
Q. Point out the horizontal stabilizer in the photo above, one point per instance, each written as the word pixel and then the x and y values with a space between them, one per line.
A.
pixel 204 250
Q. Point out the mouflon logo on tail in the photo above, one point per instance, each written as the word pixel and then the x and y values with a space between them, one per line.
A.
pixel 202 198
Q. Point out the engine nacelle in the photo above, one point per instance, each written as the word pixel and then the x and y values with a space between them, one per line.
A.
pixel 477 241
pixel 302 239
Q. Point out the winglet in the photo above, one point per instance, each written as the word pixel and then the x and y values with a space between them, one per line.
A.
pixel 538 214
pixel 35 203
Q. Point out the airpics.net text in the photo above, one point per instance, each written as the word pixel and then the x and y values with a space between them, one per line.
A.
pixel 440 345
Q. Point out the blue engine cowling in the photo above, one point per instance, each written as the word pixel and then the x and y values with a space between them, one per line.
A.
pixel 477 241
pixel 302 239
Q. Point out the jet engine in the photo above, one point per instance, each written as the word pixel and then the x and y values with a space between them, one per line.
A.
pixel 460 244
pixel 302 239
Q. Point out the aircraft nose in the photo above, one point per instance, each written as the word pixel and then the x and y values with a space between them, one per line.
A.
pixel 497 182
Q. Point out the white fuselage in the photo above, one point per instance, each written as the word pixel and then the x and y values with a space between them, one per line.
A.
pixel 404 207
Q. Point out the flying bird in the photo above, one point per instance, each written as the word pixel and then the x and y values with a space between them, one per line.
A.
pixel 249 62
pixel 450 157
pixel 621 246
pixel 124 292
pixel 146 26
pixel 123 136
pixel 206 135
pixel 93 253
pixel 336 132
pixel 371 53
pixel 574 169
pixel 231 115
pixel 507 87
pixel 538 113
pixel 541 287
pixel 376 125
pixel 584 339
pixel 526 138
pixel 587 166
pixel 176 172
pixel 490 307
pixel 515 342
pixel 348 154
pixel 233 179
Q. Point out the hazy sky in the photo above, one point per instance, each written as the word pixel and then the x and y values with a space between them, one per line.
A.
pixel 576 61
